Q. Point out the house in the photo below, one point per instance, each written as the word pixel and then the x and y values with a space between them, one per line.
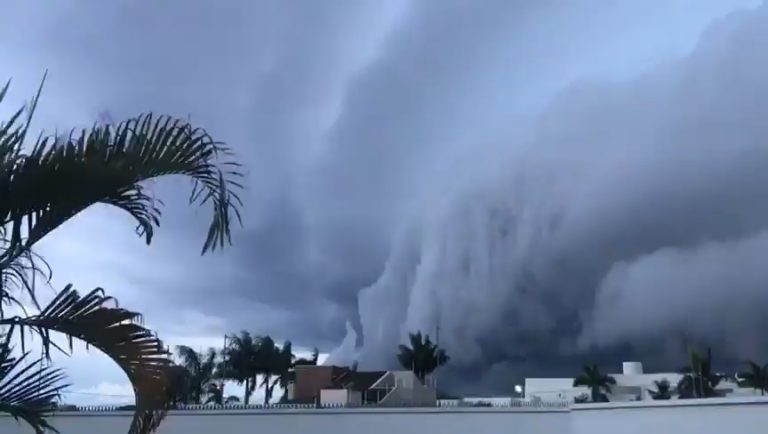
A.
pixel 353 388
pixel 335 385
pixel 632 384
pixel 309 380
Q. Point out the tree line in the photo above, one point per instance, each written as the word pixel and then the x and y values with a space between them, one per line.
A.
pixel 248 360
pixel 698 380
pixel 258 361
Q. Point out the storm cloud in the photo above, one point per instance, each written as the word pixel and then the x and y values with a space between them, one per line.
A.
pixel 546 182
pixel 626 218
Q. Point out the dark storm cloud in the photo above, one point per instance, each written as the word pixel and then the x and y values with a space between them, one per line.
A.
pixel 415 148
pixel 630 216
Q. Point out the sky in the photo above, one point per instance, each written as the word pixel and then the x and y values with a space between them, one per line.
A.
pixel 544 182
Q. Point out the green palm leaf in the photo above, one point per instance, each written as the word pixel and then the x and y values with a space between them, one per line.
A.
pixel 45 184
pixel 422 356
pixel 28 390
pixel 115 332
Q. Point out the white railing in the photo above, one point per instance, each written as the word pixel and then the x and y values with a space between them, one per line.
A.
pixel 446 404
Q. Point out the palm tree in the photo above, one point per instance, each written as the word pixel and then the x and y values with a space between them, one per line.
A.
pixel 422 356
pixel 663 390
pixel 179 385
pixel 200 372
pixel 267 361
pixel 284 365
pixel 756 377
pixel 698 380
pixel 599 384
pixel 28 389
pixel 48 180
pixel 239 362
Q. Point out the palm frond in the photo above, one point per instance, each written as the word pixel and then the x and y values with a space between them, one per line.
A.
pixel 115 332
pixel 190 358
pixel 28 390
pixel 43 188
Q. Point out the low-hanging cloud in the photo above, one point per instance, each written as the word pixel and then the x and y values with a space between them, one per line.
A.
pixel 630 213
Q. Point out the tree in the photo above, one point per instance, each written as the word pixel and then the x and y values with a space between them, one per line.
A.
pixel 239 362
pixel 284 369
pixel 200 373
pixel 598 383
pixel 698 380
pixel 422 356
pixel 46 182
pixel 663 390
pixel 267 362
pixel 29 389
pixel 756 377
pixel 179 391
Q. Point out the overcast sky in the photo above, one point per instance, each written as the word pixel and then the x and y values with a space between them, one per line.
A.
pixel 548 181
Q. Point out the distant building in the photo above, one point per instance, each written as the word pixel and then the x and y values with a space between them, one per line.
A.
pixel 631 385
pixel 309 380
pixel 335 385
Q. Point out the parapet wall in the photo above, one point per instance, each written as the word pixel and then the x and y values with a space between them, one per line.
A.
pixel 715 416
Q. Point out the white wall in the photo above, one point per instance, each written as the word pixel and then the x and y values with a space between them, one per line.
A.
pixel 342 421
pixel 340 397
pixel 333 396
pixel 747 415
pixel 710 416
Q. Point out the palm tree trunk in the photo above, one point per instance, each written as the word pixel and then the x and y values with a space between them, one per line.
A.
pixel 267 390
pixel 247 396
pixel 595 394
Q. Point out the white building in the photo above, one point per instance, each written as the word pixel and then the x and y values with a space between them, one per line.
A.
pixel 632 384
pixel 389 388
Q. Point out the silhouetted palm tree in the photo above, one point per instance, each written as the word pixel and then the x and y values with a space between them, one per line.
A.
pixel 422 356
pixel 663 390
pixel 284 365
pixel 179 382
pixel 698 380
pixel 756 377
pixel 240 362
pixel 29 389
pixel 45 181
pixel 200 372
pixel 599 384
pixel 268 364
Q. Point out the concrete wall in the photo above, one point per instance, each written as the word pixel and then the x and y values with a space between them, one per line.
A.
pixel 748 415
pixel 333 397
pixel 711 416
pixel 343 421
